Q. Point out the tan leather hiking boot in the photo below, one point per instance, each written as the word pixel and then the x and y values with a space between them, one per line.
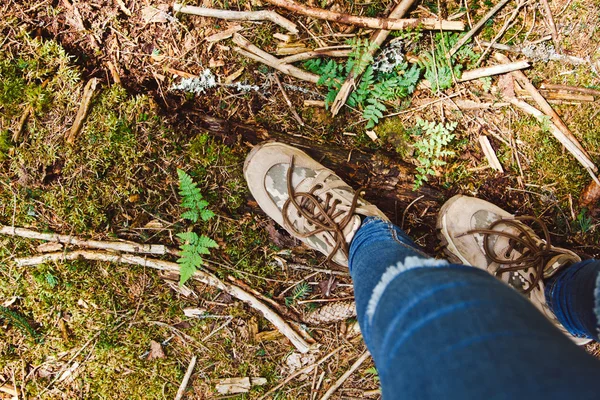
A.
pixel 477 233
pixel 308 200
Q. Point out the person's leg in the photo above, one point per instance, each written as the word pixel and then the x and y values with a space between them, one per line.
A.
pixel 442 331
pixel 573 295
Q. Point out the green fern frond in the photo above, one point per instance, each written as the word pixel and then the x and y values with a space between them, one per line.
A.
pixel 431 148
pixel 191 198
pixel 190 258
pixel 193 246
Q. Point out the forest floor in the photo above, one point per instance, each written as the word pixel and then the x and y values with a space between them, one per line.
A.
pixel 93 329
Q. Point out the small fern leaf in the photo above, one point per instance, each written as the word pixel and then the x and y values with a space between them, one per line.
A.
pixel 191 215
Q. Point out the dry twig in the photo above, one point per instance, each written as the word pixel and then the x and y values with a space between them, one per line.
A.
pixel 367 22
pixel 186 379
pixel 301 371
pixel 288 101
pixel 493 70
pixel 476 28
pixel 201 276
pixel 315 54
pixel 546 108
pixel 262 15
pixel 84 108
pixel 551 24
pixel 251 51
pixel 346 375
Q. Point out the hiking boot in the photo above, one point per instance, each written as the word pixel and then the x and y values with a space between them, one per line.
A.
pixel 308 200
pixel 477 233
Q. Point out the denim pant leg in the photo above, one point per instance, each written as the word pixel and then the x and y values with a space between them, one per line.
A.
pixel 573 294
pixel 441 331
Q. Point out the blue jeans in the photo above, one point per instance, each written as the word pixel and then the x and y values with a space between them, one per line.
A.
pixel 443 331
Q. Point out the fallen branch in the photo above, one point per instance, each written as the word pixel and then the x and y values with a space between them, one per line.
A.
pixel 546 108
pixel 476 28
pixel 82 112
pixel 377 39
pixel 392 24
pixel 128 247
pixel 200 276
pixel 186 379
pixel 251 51
pixel 315 54
pixel 493 70
pixel 346 375
pixel 288 102
pixel 262 15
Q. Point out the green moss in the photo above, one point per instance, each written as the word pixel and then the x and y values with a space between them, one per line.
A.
pixel 393 131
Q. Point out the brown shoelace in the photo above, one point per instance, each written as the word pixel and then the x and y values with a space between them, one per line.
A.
pixel 533 254
pixel 320 213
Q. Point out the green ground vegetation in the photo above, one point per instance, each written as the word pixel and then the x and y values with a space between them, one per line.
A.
pixel 120 174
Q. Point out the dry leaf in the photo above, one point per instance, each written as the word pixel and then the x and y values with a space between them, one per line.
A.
pixel 156 351
pixel 372 135
pixel 590 195
pixel 328 286
pixel 155 14
pixel 279 236
pixel 238 385
pixel 506 84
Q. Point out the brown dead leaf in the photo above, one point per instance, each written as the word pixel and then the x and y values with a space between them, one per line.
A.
pixel 506 84
pixel 328 286
pixel 156 351
pixel 280 237
pixel 155 14
pixel 590 195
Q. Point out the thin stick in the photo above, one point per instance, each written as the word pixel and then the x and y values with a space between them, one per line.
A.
pixel 128 247
pixel 346 375
pixel 502 31
pixel 201 276
pixel 559 135
pixel 366 22
pixel 263 15
pixel 546 108
pixel 315 54
pixel 251 51
pixel 302 371
pixel 377 39
pixel 591 92
pixel 288 101
pixel 551 24
pixel 186 378
pixel 490 154
pixel 552 57
pixel 493 70
pixel 84 108
pixel 476 28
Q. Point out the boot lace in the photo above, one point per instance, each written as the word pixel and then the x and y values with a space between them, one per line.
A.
pixel 319 212
pixel 534 253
